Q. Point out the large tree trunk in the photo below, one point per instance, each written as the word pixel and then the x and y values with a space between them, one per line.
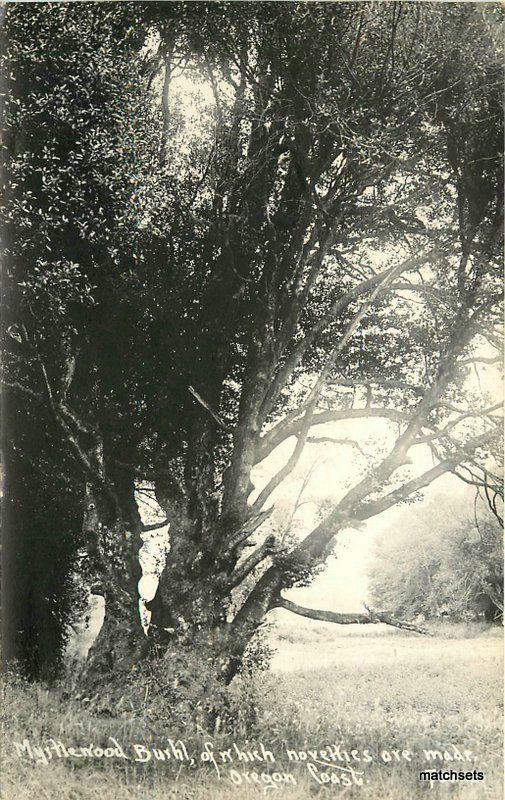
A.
pixel 41 539
pixel 114 539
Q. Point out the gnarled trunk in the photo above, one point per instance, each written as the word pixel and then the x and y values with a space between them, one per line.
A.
pixel 113 538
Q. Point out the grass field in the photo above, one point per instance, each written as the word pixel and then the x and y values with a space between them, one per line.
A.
pixel 382 696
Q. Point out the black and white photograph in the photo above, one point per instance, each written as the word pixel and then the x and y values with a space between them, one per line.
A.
pixel 252 400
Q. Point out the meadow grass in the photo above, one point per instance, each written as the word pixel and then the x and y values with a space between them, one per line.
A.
pixel 383 692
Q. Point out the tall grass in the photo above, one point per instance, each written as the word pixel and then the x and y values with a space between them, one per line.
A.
pixel 395 692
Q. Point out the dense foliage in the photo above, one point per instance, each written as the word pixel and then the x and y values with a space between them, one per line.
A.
pixel 440 568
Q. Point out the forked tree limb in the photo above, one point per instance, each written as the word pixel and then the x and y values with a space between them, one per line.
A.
pixel 376 283
pixel 370 617
pixel 291 425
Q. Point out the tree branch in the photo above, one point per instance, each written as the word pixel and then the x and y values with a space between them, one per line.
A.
pixel 374 283
pixel 62 416
pixel 213 414
pixel 154 526
pixel 333 440
pixel 482 360
pixel 368 510
pixel 290 464
pixel 292 427
pixel 378 381
pixel 453 423
pixel 248 528
pixel 243 570
pixel 371 617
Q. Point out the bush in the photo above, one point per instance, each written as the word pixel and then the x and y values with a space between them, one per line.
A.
pixel 456 572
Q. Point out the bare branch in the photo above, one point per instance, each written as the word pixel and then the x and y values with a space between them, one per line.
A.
pixel 63 417
pixel 423 288
pixel 377 380
pixel 453 423
pixel 368 510
pixel 286 470
pixel 290 426
pixel 473 480
pixel 398 455
pixel 333 440
pixel 482 360
pixel 371 617
pixel 213 414
pixel 154 526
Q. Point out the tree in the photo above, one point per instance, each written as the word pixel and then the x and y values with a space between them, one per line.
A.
pixel 56 216
pixel 41 597
pixel 322 245
pixel 451 569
